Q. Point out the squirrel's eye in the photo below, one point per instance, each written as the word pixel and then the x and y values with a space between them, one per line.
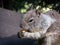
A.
pixel 31 20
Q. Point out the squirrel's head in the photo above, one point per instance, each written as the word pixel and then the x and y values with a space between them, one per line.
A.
pixel 30 20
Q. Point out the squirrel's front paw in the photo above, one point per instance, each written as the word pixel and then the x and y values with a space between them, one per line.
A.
pixel 21 33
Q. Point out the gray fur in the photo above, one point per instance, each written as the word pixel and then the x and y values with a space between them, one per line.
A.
pixel 41 26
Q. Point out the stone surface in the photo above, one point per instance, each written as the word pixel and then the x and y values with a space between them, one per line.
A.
pixel 9 22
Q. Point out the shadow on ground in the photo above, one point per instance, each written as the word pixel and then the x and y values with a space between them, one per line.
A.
pixel 14 40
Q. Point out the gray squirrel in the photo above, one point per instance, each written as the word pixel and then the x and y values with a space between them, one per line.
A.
pixel 39 25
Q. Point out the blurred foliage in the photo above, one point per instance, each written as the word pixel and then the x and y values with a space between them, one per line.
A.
pixel 44 5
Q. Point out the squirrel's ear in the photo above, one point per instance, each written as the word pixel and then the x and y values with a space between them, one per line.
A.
pixel 38 12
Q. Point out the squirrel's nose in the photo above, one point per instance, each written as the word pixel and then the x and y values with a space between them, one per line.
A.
pixel 21 26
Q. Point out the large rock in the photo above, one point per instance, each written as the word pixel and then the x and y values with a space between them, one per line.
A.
pixel 9 22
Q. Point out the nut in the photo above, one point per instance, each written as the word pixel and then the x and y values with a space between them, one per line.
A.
pixel 23 30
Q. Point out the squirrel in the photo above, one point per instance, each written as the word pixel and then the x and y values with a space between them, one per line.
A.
pixel 37 25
